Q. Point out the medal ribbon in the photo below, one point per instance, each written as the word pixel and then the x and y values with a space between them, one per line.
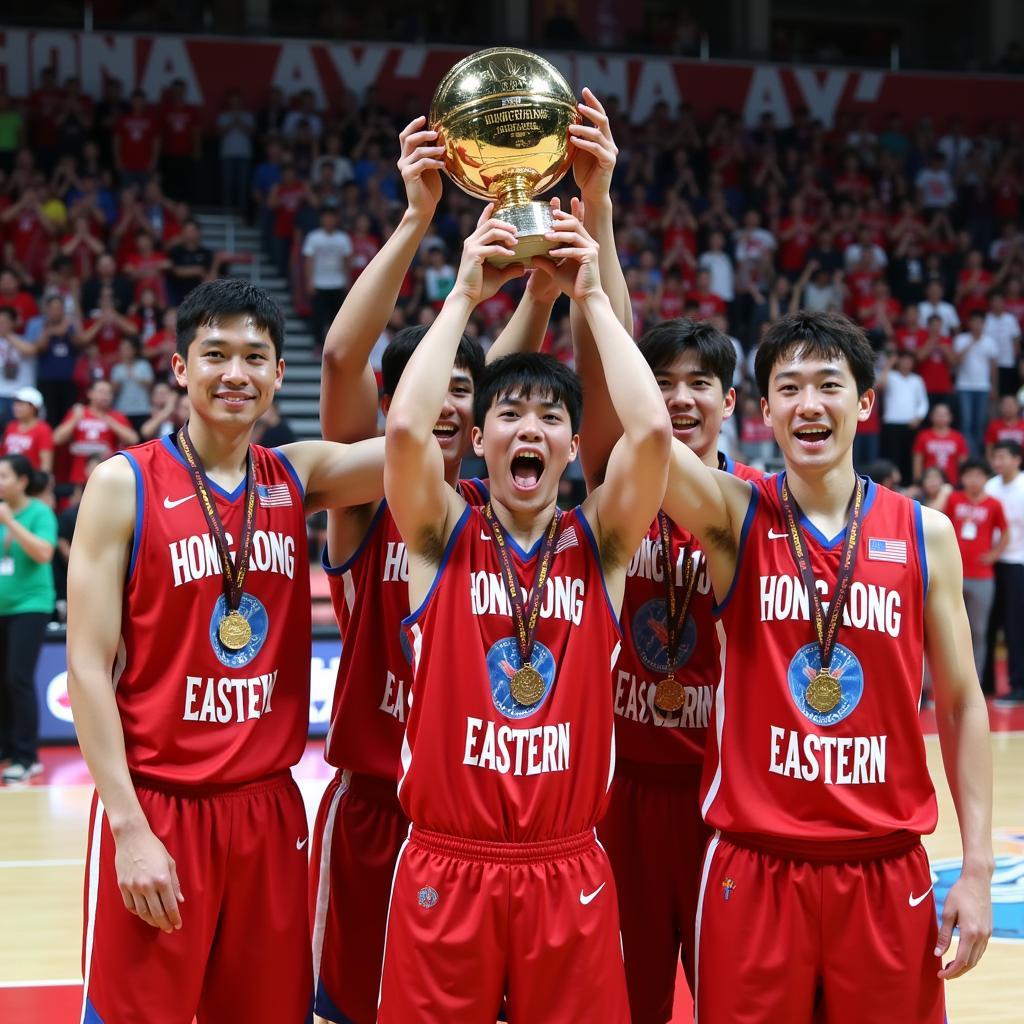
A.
pixel 525 620
pixel 233 574
pixel 676 607
pixel 827 629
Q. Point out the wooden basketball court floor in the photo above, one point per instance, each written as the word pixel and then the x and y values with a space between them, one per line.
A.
pixel 42 853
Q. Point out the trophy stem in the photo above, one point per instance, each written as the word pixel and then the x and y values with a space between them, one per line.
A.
pixel 514 189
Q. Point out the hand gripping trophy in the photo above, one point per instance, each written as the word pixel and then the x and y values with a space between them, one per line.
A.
pixel 503 117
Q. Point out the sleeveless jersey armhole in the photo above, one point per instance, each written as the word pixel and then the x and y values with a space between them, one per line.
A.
pixel 718 608
pixel 412 617
pixel 140 509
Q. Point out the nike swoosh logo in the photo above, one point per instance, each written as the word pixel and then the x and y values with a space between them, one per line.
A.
pixel 484 536
pixel 915 900
pixel 174 504
pixel 772 535
pixel 300 843
pixel 585 898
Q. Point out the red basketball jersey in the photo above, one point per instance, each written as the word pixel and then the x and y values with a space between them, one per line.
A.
pixel 775 765
pixel 370 594
pixel 194 712
pixel 642 732
pixel 475 762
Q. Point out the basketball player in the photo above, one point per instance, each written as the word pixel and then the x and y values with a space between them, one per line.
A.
pixel 360 825
pixel 831 590
pixel 188 671
pixel 501 887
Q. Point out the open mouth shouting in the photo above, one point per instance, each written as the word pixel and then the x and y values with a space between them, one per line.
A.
pixel 446 433
pixel 813 435
pixel 527 467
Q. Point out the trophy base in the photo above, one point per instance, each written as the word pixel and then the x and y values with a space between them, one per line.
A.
pixel 531 221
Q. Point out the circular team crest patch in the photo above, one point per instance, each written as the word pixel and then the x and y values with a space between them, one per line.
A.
pixel 650 637
pixel 845 669
pixel 502 662
pixel 256 615
pixel 427 897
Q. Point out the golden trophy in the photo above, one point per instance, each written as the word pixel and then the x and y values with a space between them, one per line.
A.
pixel 503 117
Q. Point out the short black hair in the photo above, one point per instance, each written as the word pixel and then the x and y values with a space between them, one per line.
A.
pixel 665 342
pixel 881 470
pixel 470 356
pixel 227 298
pixel 22 468
pixel 816 336
pixel 968 464
pixel 522 374
pixel 1009 446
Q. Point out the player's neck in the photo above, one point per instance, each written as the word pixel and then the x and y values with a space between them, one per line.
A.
pixel 710 457
pixel 221 452
pixel 1009 477
pixel 525 527
pixel 16 502
pixel 452 473
pixel 824 494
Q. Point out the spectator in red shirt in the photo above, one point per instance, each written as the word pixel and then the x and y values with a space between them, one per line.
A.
pixel 972 286
pixel 21 301
pixel 146 267
pixel 796 235
pixel 81 246
pixel 940 445
pixel 1009 426
pixel 978 520
pixel 285 199
pixel 935 356
pixel 159 347
pixel 910 335
pixel 181 146
pixel 136 142
pixel 707 302
pixel 93 429
pixel 27 434
pixel 29 236
pixel 107 327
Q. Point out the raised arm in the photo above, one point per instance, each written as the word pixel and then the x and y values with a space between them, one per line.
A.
pixel 424 506
pixel 348 390
pixel 96 578
pixel 593 166
pixel 338 475
pixel 620 511
pixel 527 326
pixel 962 720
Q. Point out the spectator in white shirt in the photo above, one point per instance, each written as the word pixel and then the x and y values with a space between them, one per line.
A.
pixel 1008 606
pixel 864 244
pixel 974 354
pixel 754 247
pixel 954 146
pixel 327 251
pixel 1005 329
pixel 305 111
pixel 236 127
pixel 343 169
pixel 934 185
pixel 905 405
pixel 717 262
pixel 934 305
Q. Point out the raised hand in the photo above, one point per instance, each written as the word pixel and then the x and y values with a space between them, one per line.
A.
pixel 572 262
pixel 595 151
pixel 420 165
pixel 477 279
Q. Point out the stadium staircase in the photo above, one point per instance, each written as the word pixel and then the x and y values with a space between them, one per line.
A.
pixel 300 396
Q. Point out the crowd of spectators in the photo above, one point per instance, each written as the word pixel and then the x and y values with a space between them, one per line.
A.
pixel 914 230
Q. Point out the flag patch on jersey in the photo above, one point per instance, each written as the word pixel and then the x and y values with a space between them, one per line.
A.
pixel 568 539
pixel 274 495
pixel 884 550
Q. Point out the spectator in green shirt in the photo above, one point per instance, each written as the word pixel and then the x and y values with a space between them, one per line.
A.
pixel 28 535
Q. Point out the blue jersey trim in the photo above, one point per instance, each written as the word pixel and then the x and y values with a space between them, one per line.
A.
pixel 325 1006
pixel 234 495
pixel 726 463
pixel 284 460
pixel 524 555
pixel 600 568
pixel 481 486
pixel 91 1016
pixel 870 490
pixel 922 551
pixel 717 609
pixel 140 494
pixel 456 533
pixel 337 570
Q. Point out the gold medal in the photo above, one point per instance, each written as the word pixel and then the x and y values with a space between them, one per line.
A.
pixel 234 631
pixel 527 687
pixel 823 693
pixel 669 695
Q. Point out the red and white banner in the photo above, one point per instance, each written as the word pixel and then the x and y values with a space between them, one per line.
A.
pixel 407 75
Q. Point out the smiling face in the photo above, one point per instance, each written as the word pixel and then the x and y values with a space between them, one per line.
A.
pixel 230 372
pixel 814 409
pixel 695 402
pixel 526 441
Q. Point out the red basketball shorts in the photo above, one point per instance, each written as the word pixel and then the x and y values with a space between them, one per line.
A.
pixel 851 932
pixel 359 830
pixel 655 838
pixel 473 921
pixel 242 952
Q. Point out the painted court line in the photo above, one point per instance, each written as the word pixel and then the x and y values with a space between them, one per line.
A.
pixel 60 862
pixel 41 983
